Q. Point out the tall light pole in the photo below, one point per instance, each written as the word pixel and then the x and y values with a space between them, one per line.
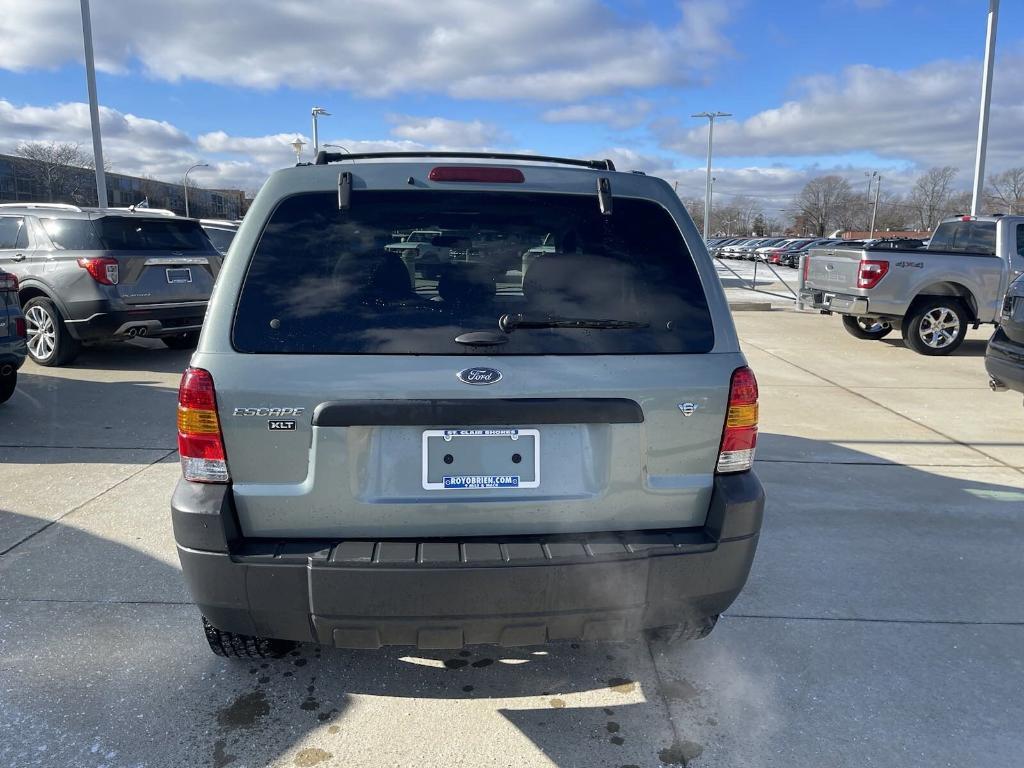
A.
pixel 986 102
pixel 191 168
pixel 707 189
pixel 316 112
pixel 874 208
pixel 94 107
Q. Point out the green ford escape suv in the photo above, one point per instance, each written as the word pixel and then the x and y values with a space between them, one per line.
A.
pixel 543 432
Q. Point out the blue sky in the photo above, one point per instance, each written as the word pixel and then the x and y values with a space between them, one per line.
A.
pixel 836 85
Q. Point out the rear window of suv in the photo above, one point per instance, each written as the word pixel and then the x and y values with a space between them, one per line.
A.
pixel 330 281
pixel 125 233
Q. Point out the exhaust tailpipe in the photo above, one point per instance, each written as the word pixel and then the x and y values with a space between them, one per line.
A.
pixel 996 385
pixel 143 331
pixel 133 332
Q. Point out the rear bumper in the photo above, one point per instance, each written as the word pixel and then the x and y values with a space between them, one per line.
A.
pixel 834 302
pixel 98 321
pixel 1004 361
pixel 445 593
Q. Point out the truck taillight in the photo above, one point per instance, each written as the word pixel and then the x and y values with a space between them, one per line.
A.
pixel 20 329
pixel 8 282
pixel 103 270
pixel 807 266
pixel 200 444
pixel 871 272
pixel 739 436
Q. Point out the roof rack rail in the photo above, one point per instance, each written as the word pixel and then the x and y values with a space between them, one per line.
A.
pixel 50 206
pixel 324 157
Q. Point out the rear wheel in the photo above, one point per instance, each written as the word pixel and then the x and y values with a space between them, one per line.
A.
pixel 49 342
pixel 935 327
pixel 866 327
pixel 182 341
pixel 7 385
pixel 234 646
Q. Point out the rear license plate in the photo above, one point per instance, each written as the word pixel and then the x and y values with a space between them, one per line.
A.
pixel 180 275
pixel 475 459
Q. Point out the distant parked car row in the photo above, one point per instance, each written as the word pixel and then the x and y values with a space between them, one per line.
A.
pixel 90 274
pixel 786 252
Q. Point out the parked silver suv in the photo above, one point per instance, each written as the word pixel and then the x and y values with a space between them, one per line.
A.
pixel 90 275
pixel 513 446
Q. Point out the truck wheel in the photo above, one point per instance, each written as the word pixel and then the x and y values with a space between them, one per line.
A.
pixel 182 340
pixel 49 342
pixel 690 630
pixel 866 327
pixel 234 646
pixel 7 385
pixel 936 326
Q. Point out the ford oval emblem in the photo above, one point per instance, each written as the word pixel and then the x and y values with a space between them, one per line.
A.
pixel 479 376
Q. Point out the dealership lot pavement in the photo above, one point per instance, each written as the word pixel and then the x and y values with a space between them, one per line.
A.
pixel 882 625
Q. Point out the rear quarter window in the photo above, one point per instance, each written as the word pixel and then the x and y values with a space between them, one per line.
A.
pixel 327 281
pixel 977 237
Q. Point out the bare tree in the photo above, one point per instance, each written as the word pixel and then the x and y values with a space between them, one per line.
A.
pixel 1006 190
pixel 824 202
pixel 931 197
pixel 56 168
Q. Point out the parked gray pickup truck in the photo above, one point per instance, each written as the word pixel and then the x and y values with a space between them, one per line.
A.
pixel 932 294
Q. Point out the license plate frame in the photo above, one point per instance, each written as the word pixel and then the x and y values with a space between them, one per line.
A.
pixel 180 275
pixel 482 481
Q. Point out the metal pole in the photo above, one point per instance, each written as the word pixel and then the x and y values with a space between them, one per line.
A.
pixel 191 168
pixel 874 208
pixel 316 134
pixel 94 107
pixel 986 102
pixel 707 184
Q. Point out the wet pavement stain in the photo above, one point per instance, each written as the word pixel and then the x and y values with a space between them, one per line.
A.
pixel 617 740
pixel 263 680
pixel 465 654
pixel 334 729
pixel 323 717
pixel 612 727
pixel 467 688
pixel 300 662
pixel 481 663
pixel 307 758
pixel 244 711
pixel 220 757
pixel 455 663
pixel 608 712
pixel 681 753
pixel 288 674
pixel 558 703
pixel 679 690
pixel 621 685
pixel 310 704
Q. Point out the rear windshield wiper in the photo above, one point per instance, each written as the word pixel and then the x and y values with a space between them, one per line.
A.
pixel 509 323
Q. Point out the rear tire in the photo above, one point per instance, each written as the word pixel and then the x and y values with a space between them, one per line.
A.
pixel 234 646
pixel 866 328
pixel 935 327
pixel 690 630
pixel 182 340
pixel 7 386
pixel 49 342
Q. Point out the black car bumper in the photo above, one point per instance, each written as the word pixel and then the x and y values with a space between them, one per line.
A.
pixel 1004 361
pixel 445 593
pixel 97 321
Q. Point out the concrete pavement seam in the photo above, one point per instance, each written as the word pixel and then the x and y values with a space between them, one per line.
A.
pixel 888 409
pixel 125 479
pixel 949 622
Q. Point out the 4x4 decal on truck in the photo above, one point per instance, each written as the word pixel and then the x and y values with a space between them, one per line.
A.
pixel 914 264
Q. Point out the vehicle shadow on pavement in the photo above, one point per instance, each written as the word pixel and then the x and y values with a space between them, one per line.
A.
pixel 969 348
pixel 102 660
pixel 143 355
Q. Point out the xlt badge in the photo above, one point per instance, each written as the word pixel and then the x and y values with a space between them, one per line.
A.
pixel 281 425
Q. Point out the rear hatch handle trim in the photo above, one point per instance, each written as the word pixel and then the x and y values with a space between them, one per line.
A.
pixel 478 412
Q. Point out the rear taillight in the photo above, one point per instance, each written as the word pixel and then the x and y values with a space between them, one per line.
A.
pixel 8 282
pixel 19 328
pixel 103 270
pixel 739 436
pixel 871 272
pixel 200 444
pixel 807 266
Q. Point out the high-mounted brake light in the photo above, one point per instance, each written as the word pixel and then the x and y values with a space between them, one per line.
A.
pixel 739 436
pixel 871 272
pixel 103 270
pixel 482 173
pixel 200 444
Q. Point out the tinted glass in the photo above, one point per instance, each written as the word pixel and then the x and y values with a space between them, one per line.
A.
pixel 72 234
pixel 1020 240
pixel 119 233
pixel 12 232
pixel 965 237
pixel 221 238
pixel 326 281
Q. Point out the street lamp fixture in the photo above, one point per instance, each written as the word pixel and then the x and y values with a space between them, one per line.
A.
pixel 707 190
pixel 297 145
pixel 191 168
pixel 316 112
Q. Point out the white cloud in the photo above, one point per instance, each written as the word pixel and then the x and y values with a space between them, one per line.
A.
pixel 618 115
pixel 442 132
pixel 534 49
pixel 927 115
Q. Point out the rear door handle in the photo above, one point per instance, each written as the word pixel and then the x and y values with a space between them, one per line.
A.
pixel 18 257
